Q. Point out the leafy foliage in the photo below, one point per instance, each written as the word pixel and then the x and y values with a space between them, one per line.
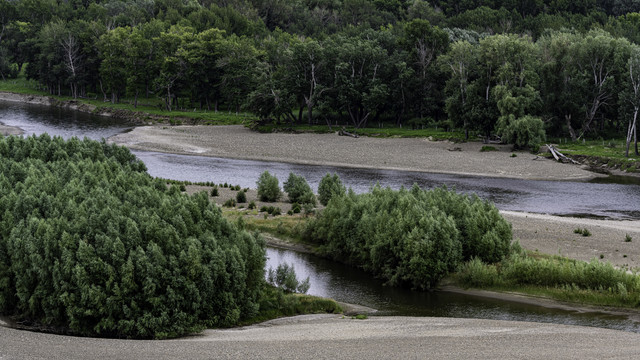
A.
pixel 284 277
pixel 268 187
pixel 299 190
pixel 90 242
pixel 410 237
pixel 330 186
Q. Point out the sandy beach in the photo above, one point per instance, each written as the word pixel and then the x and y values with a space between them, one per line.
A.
pixel 414 154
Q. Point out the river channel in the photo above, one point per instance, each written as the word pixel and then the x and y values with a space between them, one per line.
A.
pixel 345 283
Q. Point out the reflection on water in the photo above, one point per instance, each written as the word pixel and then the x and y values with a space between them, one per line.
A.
pixel 347 284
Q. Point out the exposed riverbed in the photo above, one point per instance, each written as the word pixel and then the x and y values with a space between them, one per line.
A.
pixel 345 284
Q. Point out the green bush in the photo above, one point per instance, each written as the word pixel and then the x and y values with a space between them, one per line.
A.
pixel 296 208
pixel 410 237
pixel 252 205
pixel 330 186
pixel 299 190
pixel 230 203
pixel 90 243
pixel 284 277
pixel 241 197
pixel 525 133
pixel 268 187
pixel 215 192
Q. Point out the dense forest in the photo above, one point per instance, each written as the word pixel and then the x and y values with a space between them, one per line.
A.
pixel 518 69
pixel 91 244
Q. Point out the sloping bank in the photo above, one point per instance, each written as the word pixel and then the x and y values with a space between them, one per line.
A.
pixel 137 117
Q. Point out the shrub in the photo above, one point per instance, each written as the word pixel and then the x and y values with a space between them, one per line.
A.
pixel 410 237
pixel 299 190
pixel 628 238
pixel 525 133
pixel 330 186
pixel 241 197
pixel 91 244
pixel 276 212
pixel 268 187
pixel 486 148
pixel 230 203
pixel 252 205
pixel 284 277
pixel 295 208
pixel 215 192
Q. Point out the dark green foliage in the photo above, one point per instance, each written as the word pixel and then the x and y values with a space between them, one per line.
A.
pixel 295 208
pixel 584 232
pixel 268 187
pixel 330 186
pixel 299 190
pixel 91 243
pixel 276 211
pixel 215 192
pixel 411 237
pixel 230 203
pixel 628 238
pixel 252 205
pixel 486 148
pixel 241 197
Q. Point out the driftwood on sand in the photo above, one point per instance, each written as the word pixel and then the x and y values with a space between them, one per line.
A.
pixel 559 156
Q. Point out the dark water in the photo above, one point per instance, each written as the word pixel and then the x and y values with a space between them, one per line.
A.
pixel 345 283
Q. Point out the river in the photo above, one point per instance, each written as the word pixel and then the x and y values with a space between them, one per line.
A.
pixel 345 283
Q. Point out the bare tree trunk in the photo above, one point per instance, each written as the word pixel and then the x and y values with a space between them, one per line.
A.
pixel 572 132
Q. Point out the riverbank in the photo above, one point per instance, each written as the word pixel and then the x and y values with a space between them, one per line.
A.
pixel 411 154
pixel 335 337
pixel 6 130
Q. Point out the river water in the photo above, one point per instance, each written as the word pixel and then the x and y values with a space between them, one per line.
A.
pixel 344 283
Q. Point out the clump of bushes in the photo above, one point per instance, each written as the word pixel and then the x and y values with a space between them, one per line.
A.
pixel 215 192
pixel 410 237
pixel 526 132
pixel 230 203
pixel 268 187
pixel 299 190
pixel 284 277
pixel 330 186
pixel 92 244
pixel 584 232
pixel 241 197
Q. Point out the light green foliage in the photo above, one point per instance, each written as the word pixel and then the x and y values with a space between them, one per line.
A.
pixel 525 133
pixel 268 187
pixel 330 186
pixel 411 237
pixel 299 190
pixel 91 243
pixel 284 277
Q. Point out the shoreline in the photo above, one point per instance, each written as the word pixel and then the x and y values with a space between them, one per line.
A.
pixel 395 154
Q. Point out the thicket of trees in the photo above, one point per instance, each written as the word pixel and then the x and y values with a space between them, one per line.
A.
pixel 504 67
pixel 89 242
pixel 413 237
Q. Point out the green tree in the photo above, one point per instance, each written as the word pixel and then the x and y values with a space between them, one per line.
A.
pixel 268 187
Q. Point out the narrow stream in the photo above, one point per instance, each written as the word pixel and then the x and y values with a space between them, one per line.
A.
pixel 343 283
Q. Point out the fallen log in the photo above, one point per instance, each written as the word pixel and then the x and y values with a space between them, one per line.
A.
pixel 558 155
pixel 344 132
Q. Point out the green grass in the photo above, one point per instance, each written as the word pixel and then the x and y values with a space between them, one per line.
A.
pixel 612 149
pixel 389 131
pixel 275 303
pixel 151 106
pixel 558 278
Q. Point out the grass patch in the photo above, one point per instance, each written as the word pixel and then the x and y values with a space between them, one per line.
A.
pixel 433 133
pixel 275 303
pixel 593 283
pixel 149 106
pixel 628 238
pixel 486 148
pixel 584 232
